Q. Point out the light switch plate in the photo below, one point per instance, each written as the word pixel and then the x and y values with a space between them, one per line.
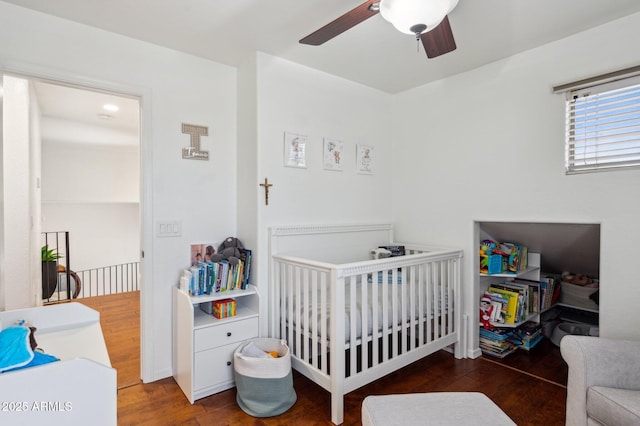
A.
pixel 168 228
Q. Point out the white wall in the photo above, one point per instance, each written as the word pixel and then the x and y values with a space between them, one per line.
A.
pixel 175 88
pixel 489 145
pixel 18 253
pixel 35 194
pixel 91 174
pixel 94 193
pixel 298 99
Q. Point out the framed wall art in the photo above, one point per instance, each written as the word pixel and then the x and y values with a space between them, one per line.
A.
pixel 295 150
pixel 333 152
pixel 364 159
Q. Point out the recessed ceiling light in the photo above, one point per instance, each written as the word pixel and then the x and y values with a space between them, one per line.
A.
pixel 110 107
pixel 105 116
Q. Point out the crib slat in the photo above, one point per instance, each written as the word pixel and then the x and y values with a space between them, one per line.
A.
pixel 314 318
pixel 324 306
pixel 396 314
pixel 304 332
pixel 375 326
pixel 411 277
pixel 421 294
pixel 385 316
pixel 353 332
pixel 430 315
pixel 364 322
pixel 442 293
pixel 288 299
pixel 450 308
pixel 297 304
pixel 436 301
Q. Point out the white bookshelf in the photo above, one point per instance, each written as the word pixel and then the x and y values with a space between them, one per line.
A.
pixel 203 345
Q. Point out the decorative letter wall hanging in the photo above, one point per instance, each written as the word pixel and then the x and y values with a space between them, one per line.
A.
pixel 193 151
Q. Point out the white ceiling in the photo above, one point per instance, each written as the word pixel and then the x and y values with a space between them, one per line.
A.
pixel 75 115
pixel 372 53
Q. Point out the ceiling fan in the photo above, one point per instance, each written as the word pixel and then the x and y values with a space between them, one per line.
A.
pixel 426 19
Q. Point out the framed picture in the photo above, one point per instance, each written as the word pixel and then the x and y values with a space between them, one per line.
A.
pixel 295 150
pixel 333 152
pixel 364 159
pixel 202 252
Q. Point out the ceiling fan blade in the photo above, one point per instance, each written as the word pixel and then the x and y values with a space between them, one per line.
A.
pixel 439 40
pixel 341 24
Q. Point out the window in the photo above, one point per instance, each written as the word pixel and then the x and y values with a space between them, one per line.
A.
pixel 602 125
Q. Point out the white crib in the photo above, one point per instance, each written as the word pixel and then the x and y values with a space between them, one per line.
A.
pixel 351 322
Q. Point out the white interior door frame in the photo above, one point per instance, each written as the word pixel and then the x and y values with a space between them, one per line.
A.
pixel 146 189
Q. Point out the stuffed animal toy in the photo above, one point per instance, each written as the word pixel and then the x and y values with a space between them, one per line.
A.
pixel 229 251
pixel 486 309
pixel 380 253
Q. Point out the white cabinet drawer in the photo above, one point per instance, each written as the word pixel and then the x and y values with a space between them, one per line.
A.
pixel 213 367
pixel 225 333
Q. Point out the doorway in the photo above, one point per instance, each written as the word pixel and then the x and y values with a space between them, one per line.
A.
pixel 90 183
pixel 88 172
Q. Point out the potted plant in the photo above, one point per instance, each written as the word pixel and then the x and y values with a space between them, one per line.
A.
pixel 49 270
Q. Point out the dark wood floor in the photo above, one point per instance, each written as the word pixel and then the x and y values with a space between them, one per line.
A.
pixel 529 387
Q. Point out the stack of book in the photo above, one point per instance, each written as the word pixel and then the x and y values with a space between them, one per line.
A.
pixel 516 298
pixel 497 342
pixel 528 335
pixel 208 277
pixel 549 290
pixel 224 308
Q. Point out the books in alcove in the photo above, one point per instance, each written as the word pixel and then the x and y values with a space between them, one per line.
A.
pixel 528 335
pixel 517 299
pixel 500 342
pixel 496 342
pixel 207 277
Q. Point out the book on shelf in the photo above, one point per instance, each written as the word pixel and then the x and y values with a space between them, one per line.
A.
pixel 496 333
pixel 528 296
pixel 529 344
pixel 499 303
pixel 527 335
pixel 550 291
pixel 245 256
pixel 534 305
pixel 498 341
pixel 208 277
pixel 512 305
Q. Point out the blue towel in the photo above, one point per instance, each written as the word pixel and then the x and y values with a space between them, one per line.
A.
pixel 39 358
pixel 15 350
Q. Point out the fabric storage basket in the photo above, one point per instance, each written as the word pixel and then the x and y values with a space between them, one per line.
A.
pixel 264 385
pixel 578 295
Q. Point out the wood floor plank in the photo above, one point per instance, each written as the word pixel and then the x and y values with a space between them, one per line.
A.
pixel 536 396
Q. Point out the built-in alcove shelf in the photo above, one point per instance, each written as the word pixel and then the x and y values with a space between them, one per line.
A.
pixel 560 247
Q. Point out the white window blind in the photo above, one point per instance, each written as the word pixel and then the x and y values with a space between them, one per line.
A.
pixel 603 127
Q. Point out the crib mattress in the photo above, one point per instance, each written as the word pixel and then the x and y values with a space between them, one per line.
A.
pixel 388 309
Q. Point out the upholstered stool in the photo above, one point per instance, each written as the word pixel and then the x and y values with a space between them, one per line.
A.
pixel 437 408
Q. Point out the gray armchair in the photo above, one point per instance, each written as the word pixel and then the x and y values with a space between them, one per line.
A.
pixel 603 386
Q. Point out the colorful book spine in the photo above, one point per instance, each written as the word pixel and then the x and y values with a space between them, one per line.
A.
pixel 512 307
pixel 224 308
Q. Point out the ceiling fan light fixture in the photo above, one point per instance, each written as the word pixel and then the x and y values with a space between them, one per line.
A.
pixel 408 14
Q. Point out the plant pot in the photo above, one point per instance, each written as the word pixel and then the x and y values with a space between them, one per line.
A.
pixel 49 278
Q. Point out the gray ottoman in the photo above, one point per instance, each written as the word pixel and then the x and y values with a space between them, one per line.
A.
pixel 437 408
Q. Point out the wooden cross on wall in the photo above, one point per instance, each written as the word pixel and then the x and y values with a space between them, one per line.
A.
pixel 266 185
